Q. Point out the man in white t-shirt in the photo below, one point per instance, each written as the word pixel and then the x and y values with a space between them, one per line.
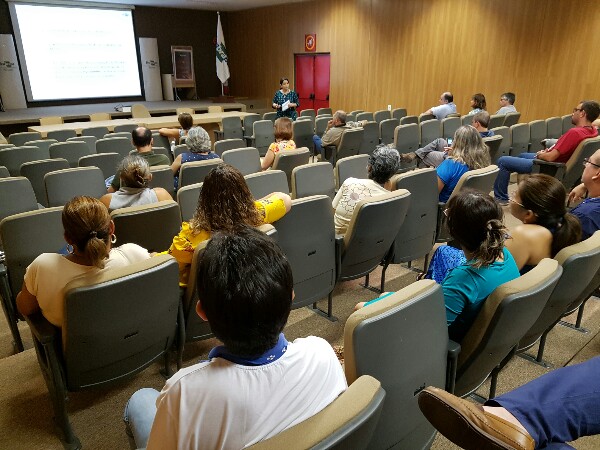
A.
pixel 446 106
pixel 257 384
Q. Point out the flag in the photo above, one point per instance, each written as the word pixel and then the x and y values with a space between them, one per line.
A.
pixel 222 67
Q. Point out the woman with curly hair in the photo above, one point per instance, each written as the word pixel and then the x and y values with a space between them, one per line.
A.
pixel 478 104
pixel 225 204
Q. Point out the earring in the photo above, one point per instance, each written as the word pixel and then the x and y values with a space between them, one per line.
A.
pixel 70 249
pixel 113 238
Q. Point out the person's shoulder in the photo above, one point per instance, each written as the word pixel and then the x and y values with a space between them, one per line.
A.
pixel 187 374
pixel 48 259
pixel 314 346
pixel 212 155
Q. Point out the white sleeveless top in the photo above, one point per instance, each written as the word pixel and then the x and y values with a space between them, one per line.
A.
pixel 127 196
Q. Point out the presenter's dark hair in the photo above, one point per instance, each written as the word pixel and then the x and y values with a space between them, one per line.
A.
pixel 141 137
pixel 281 80
pixel 245 288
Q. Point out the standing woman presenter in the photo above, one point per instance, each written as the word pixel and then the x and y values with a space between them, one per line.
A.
pixel 285 101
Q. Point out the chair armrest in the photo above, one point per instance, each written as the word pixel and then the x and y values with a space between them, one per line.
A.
pixel 541 162
pixel 328 151
pixel 451 365
pixel 250 140
pixel 551 168
pixel 339 249
pixel 42 330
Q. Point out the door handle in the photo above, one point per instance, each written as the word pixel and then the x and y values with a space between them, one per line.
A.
pixel 327 98
pixel 312 96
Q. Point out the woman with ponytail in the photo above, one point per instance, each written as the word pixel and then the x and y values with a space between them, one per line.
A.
pixel 89 233
pixel 135 175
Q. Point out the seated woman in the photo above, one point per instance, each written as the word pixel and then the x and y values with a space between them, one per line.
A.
pixel 283 141
pixel 475 223
pixel 224 205
pixel 185 120
pixel 199 144
pixel 135 175
pixel 383 163
pixel 539 202
pixel 468 152
pixel 478 104
pixel 89 233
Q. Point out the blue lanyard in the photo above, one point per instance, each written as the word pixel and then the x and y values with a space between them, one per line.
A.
pixel 273 354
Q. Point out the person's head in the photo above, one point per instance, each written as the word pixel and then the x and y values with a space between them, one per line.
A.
pixel 225 203
pixel 383 163
pixel 586 112
pixel 446 97
pixel 198 140
pixel 478 101
pixel 481 120
pixel 339 118
pixel 591 174
pixel 541 199
pixel 283 129
pixel 185 120
pixel 284 83
pixel 88 228
pixel 508 98
pixel 141 137
pixel 475 222
pixel 245 290
pixel 134 172
pixel 468 148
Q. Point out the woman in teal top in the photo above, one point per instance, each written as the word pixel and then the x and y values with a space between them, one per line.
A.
pixel 287 98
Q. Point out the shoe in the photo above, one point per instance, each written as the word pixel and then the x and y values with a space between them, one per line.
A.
pixel 408 157
pixel 501 202
pixel 468 425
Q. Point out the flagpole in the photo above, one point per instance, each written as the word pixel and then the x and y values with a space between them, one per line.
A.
pixel 219 19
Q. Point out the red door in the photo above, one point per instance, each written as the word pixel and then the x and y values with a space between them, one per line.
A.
pixel 312 81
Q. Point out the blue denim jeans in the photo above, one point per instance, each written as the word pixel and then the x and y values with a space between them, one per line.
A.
pixel 318 146
pixel 139 415
pixel 507 164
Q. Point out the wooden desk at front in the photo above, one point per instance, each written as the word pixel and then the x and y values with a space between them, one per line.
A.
pixel 78 126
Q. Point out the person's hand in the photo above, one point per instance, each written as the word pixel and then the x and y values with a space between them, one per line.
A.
pixel 276 106
pixel 293 105
pixel 578 193
pixel 447 150
pixel 329 123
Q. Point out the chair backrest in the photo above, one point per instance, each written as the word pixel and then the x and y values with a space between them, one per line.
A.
pixel 537 132
pixel 370 138
pixel 264 183
pixel 151 226
pixel 228 144
pixel 162 176
pixel 511 119
pixel 468 119
pixel 479 179
pixel 321 125
pixel 402 341
pixel 270 116
pixel 187 199
pixel 106 162
pixel 574 166
pixel 313 179
pixel 35 171
pixel 71 151
pixel 27 235
pixel 89 140
pixel 125 128
pixel 506 315
pixel 348 422
pixel 61 135
pixel 417 233
pixel 159 151
pixel 51 120
pixel 120 145
pixel 374 226
pixel 118 134
pixel 386 130
pixel 352 166
pixel 505 145
pixel 310 254
pixel 449 126
pixel 19 139
pixel 263 135
pixel 430 130
pixel 195 171
pixel 139 111
pixel 399 113
pixel 94 117
pixel 496 120
pixel 119 321
pixel 13 157
pixel 42 143
pixel 406 137
pixel 567 123
pixel 181 148
pixel 379 116
pixel 426 117
pixel 4 173
pixel 17 196
pixel 303 131
pixel 493 143
pixel 409 119
pixel 308 113
pixel 248 122
pixel 289 159
pixel 97 132
pixel 322 111
pixel 553 128
pixel 350 143
pixel 63 185
pixel 161 141
pixel 519 139
pixel 365 115
pixel 246 160
pixel 232 128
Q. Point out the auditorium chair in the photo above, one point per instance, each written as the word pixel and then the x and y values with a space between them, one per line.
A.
pixel 519 139
pixel 126 128
pixel 349 145
pixel 188 198
pixel 287 160
pixel 387 128
pixel 246 159
pixel 537 133
pixel 493 144
pixel 399 113
pixel 323 111
pixel 381 115
pixel 351 166
pixel 120 145
pixel 89 140
pixel 41 143
pixel 19 139
pixel 272 116
pixel 63 185
pixel 365 115
pixel 504 149
pixel 106 162
pixel 262 136
pixel 450 125
pixel 303 132
pixel 228 144
pixel 231 128
pixel 71 151
pixel 35 171
pixel 511 119
pixel 61 135
pixel 313 179
pixel 97 132
pixel 13 157
pixel 409 119
pixel 264 183
pixel 429 131
pixel 195 171
pixel 370 138
pixel 553 128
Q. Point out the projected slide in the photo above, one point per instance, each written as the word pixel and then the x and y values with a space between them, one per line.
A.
pixel 73 52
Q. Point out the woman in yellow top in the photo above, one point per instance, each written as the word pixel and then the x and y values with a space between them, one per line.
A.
pixel 225 204
pixel 283 141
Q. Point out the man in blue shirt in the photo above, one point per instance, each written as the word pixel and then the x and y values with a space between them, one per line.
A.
pixel 588 211
pixel 446 107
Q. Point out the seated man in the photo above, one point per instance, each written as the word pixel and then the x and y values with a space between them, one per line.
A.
pixel 257 384
pixel 434 153
pixel 446 107
pixel 507 101
pixel 586 112
pixel 588 211
pixel 334 131
pixel 558 407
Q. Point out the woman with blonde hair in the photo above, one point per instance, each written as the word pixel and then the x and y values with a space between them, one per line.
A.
pixel 135 175
pixel 283 141
pixel 90 234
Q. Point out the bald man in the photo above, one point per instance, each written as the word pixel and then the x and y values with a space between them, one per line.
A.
pixel 446 107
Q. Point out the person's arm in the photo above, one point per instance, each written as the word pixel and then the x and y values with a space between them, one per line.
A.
pixel 105 199
pixel 267 160
pixel 295 100
pixel 161 194
pixel 115 184
pixel 330 137
pixel 287 200
pixel 577 193
pixel 27 303
pixel 429 111
pixel 550 154
pixel 169 132
pixel 176 165
pixel 441 184
pixel 275 104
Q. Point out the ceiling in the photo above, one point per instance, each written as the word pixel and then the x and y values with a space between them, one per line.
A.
pixel 207 5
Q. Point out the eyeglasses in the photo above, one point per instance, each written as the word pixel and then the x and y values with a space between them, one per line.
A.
pixel 446 211
pixel 576 109
pixel 586 161
pixel 512 199
pixel 504 99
